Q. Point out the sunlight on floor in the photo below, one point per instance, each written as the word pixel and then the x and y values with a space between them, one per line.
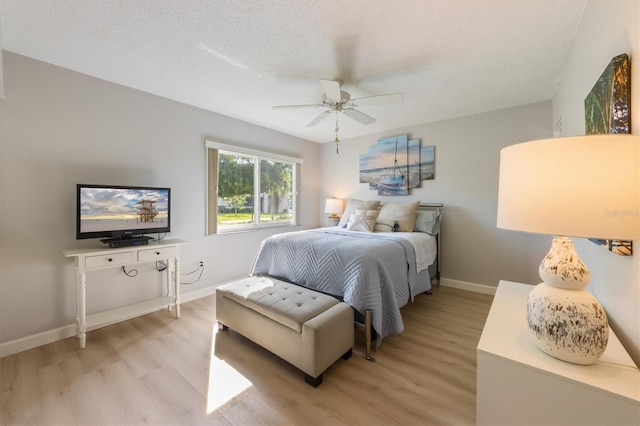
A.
pixel 224 381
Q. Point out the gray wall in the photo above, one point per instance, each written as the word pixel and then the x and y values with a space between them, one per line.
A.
pixel 59 128
pixel 608 29
pixel 467 159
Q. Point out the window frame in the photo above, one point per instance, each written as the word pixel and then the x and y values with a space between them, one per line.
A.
pixel 212 150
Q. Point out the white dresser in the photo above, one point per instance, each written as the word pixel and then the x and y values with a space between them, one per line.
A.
pixel 518 384
pixel 87 260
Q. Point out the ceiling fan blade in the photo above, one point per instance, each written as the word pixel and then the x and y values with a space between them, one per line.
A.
pixel 297 106
pixel 379 99
pixel 358 116
pixel 331 89
pixel 319 118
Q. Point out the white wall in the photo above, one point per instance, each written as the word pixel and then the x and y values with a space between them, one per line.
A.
pixel 608 29
pixel 59 128
pixel 467 159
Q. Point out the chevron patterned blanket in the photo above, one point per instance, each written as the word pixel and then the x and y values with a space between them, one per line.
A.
pixel 375 271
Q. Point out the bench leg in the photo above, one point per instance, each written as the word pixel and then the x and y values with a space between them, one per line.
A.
pixel 222 327
pixel 313 381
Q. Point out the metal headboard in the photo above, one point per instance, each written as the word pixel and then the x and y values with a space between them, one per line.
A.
pixel 436 207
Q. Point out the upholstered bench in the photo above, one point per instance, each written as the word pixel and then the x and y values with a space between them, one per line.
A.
pixel 305 328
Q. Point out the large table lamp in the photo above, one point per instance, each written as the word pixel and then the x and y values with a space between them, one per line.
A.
pixel 335 207
pixel 583 186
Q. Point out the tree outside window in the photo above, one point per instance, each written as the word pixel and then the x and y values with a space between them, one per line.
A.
pixel 251 191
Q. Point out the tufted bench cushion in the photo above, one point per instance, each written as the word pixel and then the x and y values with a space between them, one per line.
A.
pixel 308 329
pixel 289 304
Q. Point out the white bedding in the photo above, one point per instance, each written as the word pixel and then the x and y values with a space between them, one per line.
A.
pixel 424 244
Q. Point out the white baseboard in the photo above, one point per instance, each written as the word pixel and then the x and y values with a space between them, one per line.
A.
pixel 35 340
pixel 463 285
pixel 50 336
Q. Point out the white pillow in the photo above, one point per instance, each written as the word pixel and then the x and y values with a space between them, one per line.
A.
pixel 353 205
pixel 403 213
pixel 427 221
pixel 361 223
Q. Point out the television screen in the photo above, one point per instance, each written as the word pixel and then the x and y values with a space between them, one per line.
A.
pixel 122 211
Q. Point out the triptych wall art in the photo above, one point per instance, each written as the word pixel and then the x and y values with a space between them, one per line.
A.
pixel 606 110
pixel 396 164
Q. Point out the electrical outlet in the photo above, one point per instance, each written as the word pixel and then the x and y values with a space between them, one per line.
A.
pixel 200 263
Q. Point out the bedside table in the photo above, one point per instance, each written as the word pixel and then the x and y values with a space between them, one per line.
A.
pixel 518 384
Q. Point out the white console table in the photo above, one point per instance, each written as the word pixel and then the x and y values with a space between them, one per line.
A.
pixel 91 259
pixel 518 384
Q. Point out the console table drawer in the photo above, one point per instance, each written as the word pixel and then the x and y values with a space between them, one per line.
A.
pixel 159 253
pixel 104 260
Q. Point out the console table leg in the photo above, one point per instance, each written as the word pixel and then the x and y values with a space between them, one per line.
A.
pixel 81 319
pixel 169 282
pixel 176 282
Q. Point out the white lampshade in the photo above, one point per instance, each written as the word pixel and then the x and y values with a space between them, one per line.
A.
pixel 333 206
pixel 584 186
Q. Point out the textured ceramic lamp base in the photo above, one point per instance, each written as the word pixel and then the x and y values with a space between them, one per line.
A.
pixel 565 320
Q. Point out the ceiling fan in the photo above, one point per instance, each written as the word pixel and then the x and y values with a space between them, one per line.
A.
pixel 336 100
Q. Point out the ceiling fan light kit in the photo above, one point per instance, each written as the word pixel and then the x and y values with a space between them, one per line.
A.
pixel 337 100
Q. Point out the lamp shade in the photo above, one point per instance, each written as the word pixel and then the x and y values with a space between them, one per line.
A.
pixel 333 206
pixel 583 186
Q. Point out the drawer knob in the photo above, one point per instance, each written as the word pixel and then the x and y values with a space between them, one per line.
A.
pixel 110 259
pixel 158 253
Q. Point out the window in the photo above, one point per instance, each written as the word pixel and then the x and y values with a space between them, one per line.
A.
pixel 249 189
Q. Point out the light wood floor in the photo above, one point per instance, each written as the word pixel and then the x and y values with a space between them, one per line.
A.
pixel 161 371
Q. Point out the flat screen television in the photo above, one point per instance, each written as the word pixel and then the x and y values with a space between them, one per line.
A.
pixel 121 213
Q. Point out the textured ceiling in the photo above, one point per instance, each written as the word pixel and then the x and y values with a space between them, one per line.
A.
pixel 449 58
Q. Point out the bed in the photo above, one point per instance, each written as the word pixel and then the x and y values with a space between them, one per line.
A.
pixel 375 271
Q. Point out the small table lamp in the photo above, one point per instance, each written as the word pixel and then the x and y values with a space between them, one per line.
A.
pixel 335 207
pixel 584 186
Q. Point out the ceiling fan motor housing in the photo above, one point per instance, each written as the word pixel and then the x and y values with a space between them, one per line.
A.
pixel 336 105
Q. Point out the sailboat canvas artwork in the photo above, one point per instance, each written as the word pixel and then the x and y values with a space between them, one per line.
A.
pixel 428 162
pixel 413 163
pixel 393 165
pixel 384 166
